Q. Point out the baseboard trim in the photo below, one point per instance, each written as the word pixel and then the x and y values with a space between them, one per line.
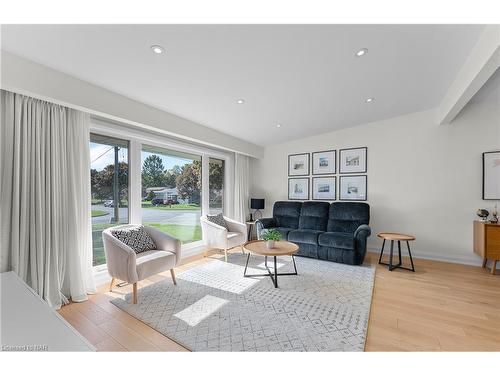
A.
pixel 472 260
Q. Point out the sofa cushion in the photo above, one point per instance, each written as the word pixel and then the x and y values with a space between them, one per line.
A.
pixel 314 215
pixel 235 239
pixel 336 239
pixel 307 250
pixel 284 232
pixel 346 217
pixel 153 262
pixel 308 236
pixel 135 237
pixel 286 214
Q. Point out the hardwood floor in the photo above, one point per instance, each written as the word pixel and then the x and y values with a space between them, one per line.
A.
pixel 441 307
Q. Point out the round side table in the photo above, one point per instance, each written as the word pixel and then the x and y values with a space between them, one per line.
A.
pixel 251 224
pixel 396 237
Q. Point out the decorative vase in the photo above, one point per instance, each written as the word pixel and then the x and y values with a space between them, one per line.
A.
pixel 270 244
pixel 483 214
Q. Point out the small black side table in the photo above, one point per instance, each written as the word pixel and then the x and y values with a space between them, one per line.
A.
pixel 396 237
pixel 250 224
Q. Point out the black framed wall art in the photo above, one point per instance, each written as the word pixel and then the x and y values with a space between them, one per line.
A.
pixel 491 175
pixel 353 188
pixel 324 188
pixel 298 164
pixel 298 189
pixel 324 162
pixel 353 160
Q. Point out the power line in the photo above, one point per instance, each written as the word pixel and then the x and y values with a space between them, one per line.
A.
pixel 105 152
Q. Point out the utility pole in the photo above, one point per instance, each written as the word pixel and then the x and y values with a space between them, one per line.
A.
pixel 116 188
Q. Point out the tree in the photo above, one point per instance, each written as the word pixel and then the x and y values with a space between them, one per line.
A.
pixel 102 181
pixel 216 182
pixel 171 176
pixel 188 182
pixel 153 172
pixel 94 179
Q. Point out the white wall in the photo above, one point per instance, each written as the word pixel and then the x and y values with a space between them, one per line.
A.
pixel 423 178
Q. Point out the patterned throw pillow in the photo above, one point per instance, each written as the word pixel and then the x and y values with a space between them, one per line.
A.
pixel 136 238
pixel 219 220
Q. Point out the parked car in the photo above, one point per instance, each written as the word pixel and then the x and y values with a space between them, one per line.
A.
pixel 163 202
pixel 157 202
pixel 109 203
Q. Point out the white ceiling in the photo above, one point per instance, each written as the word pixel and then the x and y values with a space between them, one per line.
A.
pixel 305 77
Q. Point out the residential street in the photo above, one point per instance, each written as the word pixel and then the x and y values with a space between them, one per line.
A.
pixel 152 215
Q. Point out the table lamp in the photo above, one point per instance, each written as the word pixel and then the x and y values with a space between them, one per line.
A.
pixel 257 205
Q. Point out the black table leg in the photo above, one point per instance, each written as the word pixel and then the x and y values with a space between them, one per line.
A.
pixel 390 257
pixel 246 265
pixel 381 253
pixel 275 273
pixel 409 253
pixel 391 264
pixel 399 253
pixel 273 276
pixel 294 265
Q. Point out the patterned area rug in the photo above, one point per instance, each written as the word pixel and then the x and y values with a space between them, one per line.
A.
pixel 214 308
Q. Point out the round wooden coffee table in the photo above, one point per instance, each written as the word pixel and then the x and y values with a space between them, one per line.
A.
pixel 280 248
pixel 389 236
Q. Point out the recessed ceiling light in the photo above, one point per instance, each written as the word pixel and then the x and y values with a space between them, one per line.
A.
pixel 278 126
pixel 362 52
pixel 157 49
pixel 240 101
pixel 369 100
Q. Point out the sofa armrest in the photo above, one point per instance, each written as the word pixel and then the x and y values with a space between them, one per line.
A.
pixel 166 242
pixel 236 226
pixel 363 231
pixel 120 258
pixel 262 224
pixel 214 236
pixel 360 238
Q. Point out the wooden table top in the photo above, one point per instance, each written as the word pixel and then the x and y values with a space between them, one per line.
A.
pixel 395 236
pixel 280 248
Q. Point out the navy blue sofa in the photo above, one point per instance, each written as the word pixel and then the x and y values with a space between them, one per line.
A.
pixel 335 232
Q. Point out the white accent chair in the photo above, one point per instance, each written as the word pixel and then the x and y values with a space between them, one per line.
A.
pixel 124 264
pixel 218 237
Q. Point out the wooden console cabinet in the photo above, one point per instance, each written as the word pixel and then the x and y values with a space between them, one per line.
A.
pixel 487 242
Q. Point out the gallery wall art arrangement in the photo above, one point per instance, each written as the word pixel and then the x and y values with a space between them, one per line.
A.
pixel 322 165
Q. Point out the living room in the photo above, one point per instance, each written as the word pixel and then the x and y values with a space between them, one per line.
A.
pixel 300 185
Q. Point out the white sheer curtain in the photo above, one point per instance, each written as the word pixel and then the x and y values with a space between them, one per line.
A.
pixel 241 187
pixel 45 197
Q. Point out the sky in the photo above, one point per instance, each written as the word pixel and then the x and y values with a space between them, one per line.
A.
pixel 103 155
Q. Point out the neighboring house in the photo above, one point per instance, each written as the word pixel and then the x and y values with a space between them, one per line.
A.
pixel 169 194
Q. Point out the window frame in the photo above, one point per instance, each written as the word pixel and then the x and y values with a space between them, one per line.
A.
pixel 136 139
pixel 104 266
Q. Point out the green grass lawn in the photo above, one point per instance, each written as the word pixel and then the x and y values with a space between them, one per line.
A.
pixel 192 207
pixel 97 245
pixel 97 213
pixel 185 233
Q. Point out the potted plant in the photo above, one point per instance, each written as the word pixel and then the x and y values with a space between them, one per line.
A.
pixel 270 236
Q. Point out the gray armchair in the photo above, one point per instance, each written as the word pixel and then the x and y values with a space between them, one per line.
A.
pixel 124 264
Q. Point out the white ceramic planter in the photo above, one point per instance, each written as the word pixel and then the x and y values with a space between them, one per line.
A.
pixel 270 244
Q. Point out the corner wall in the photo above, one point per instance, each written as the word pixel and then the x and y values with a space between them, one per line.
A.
pixel 423 178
